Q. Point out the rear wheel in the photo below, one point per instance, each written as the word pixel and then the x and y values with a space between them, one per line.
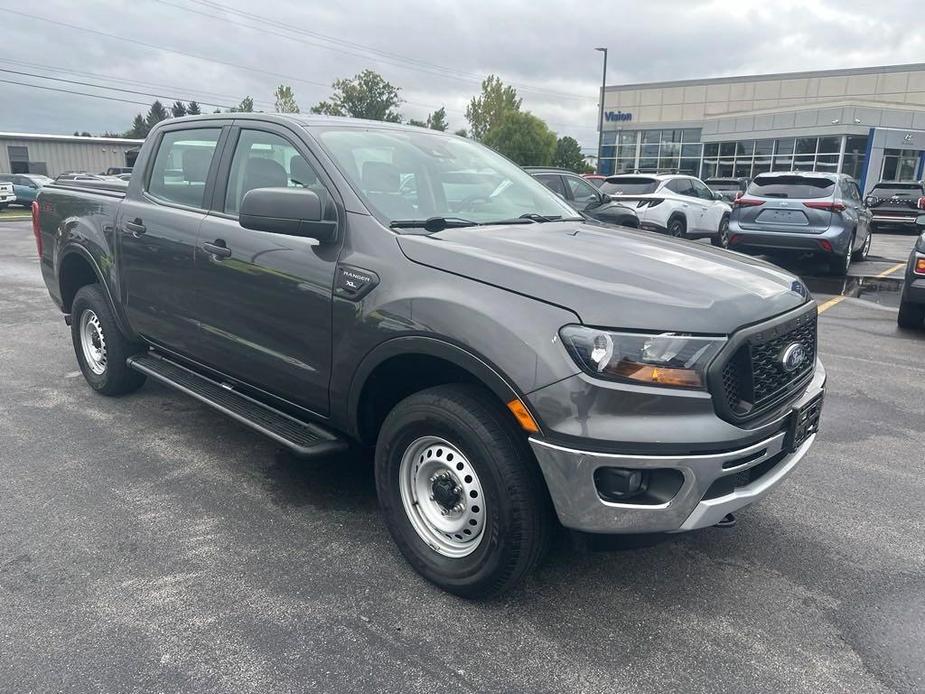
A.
pixel 721 239
pixel 861 254
pixel 677 227
pixel 839 264
pixel 911 316
pixel 101 348
pixel 460 491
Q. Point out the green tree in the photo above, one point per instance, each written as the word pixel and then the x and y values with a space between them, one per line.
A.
pixel 487 110
pixel 178 110
pixel 247 106
pixel 139 129
pixel 568 155
pixel 437 120
pixel 156 114
pixel 285 99
pixel 367 95
pixel 413 121
pixel 523 138
pixel 192 109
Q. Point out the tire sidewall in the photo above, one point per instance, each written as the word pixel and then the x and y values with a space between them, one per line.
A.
pixel 500 527
pixel 85 302
pixel 676 224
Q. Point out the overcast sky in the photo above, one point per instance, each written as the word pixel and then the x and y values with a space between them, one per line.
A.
pixel 435 51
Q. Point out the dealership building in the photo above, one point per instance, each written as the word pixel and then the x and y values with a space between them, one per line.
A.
pixel 54 154
pixel 866 122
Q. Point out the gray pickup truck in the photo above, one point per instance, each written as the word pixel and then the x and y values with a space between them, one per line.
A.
pixel 332 282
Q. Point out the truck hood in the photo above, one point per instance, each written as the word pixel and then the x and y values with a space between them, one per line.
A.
pixel 613 277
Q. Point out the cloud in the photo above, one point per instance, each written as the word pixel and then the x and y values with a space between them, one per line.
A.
pixel 436 52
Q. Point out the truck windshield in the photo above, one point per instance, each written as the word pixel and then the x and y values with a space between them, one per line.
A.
pixel 406 175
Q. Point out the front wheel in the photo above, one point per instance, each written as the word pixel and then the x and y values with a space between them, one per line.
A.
pixel 721 239
pixel 460 491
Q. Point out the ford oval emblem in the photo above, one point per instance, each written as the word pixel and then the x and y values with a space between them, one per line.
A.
pixel 793 357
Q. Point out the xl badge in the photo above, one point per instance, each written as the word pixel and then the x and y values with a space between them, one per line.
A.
pixel 793 357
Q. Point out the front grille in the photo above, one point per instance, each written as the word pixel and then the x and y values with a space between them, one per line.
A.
pixel 753 379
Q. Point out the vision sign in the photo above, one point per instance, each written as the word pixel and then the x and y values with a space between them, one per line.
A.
pixel 616 116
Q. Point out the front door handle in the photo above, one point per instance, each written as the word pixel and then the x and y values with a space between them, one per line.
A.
pixel 136 228
pixel 217 249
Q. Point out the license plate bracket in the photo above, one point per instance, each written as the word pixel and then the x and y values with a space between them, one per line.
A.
pixel 804 422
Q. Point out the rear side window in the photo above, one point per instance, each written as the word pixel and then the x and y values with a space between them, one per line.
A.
pixel 629 185
pixel 181 166
pixel 799 187
pixel 553 182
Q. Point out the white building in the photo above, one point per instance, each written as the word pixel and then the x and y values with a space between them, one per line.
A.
pixel 867 122
pixel 54 154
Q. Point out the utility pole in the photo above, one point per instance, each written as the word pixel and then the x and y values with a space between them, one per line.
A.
pixel 600 120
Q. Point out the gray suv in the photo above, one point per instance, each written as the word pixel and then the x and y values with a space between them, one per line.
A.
pixel 800 212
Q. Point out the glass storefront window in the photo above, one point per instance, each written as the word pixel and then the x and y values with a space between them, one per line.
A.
pixel 784 146
pixel 648 151
pixel 829 145
pixel 745 148
pixel 691 166
pixel 761 166
pixel 628 138
pixel 827 162
pixel 711 149
pixel 853 165
pixel 709 168
pixel 690 135
pixel 690 150
pixel 727 149
pixel 806 145
pixel 783 163
pixel 607 167
pixel 856 144
pixel 724 169
pixel 764 147
pixel 671 136
pixel 743 167
pixel 609 137
pixel 651 136
pixel 803 163
pixel 648 164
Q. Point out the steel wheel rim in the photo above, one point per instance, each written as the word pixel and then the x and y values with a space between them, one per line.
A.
pixel 724 232
pixel 866 248
pixel 93 342
pixel 433 473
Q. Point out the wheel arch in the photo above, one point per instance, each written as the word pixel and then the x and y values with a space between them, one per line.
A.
pixel 404 365
pixel 77 268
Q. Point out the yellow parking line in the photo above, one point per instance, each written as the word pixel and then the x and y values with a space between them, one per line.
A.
pixel 825 306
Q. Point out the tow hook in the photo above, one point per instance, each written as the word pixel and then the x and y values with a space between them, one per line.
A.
pixel 728 521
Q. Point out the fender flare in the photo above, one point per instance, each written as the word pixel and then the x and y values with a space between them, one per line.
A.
pixel 486 372
pixel 79 250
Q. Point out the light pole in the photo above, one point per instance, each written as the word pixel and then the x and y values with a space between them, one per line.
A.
pixel 600 120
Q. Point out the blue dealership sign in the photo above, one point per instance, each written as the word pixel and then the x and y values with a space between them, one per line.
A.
pixel 613 116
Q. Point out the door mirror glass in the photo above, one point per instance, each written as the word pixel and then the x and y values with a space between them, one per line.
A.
pixel 289 211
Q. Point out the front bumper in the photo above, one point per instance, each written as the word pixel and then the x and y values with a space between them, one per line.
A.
pixel 569 475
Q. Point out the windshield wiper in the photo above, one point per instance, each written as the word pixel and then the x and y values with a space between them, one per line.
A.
pixel 432 224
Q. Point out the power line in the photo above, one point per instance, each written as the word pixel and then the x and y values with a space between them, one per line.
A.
pixel 100 86
pixel 396 59
pixel 67 91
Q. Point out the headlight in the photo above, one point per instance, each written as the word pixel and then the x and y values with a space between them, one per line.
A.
pixel 665 359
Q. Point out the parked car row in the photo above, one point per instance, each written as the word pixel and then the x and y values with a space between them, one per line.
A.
pixel 912 304
pixel 20 189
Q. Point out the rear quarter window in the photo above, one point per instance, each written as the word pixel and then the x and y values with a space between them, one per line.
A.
pixel 799 187
pixel 629 186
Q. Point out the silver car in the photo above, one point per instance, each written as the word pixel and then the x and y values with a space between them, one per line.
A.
pixel 800 212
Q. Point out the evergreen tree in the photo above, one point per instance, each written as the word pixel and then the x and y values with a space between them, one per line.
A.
pixel 192 109
pixel 178 110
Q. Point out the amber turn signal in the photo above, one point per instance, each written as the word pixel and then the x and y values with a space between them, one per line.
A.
pixel 523 416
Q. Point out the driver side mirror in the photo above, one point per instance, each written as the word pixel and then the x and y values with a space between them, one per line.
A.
pixel 288 211
pixel 605 198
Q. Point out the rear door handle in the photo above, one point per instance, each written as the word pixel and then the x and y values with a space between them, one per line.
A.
pixel 217 249
pixel 136 228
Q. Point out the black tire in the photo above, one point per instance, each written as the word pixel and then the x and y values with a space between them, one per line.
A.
pixel 911 316
pixel 116 378
pixel 861 253
pixel 839 264
pixel 677 227
pixel 518 518
pixel 721 239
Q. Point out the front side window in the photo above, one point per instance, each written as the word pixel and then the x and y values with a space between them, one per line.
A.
pixel 181 166
pixel 553 182
pixel 266 160
pixel 582 191
pixel 416 174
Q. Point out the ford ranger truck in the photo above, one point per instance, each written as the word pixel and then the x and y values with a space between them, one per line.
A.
pixel 331 282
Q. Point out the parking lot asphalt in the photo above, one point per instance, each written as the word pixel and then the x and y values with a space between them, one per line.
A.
pixel 148 544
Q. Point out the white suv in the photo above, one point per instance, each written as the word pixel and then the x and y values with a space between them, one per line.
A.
pixel 6 194
pixel 678 205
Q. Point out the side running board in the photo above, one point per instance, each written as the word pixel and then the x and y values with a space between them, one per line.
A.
pixel 303 438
